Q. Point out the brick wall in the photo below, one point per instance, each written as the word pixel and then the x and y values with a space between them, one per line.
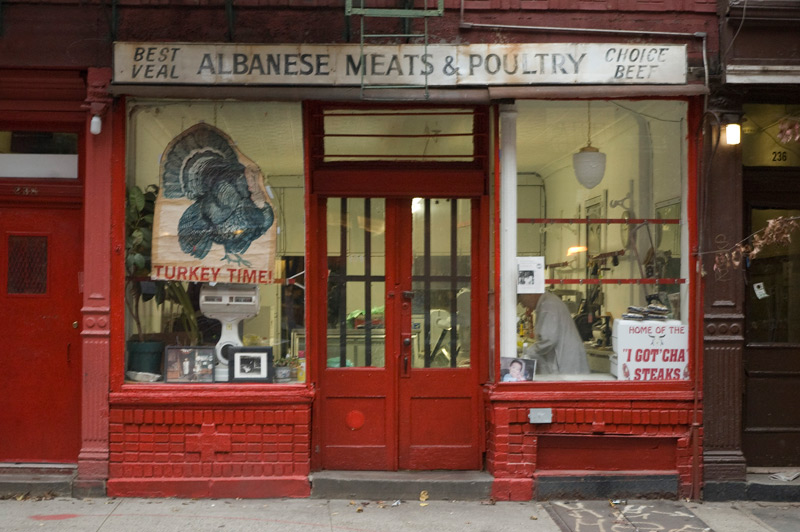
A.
pixel 226 451
pixel 621 438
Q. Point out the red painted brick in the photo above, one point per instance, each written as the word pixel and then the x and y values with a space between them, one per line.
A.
pixel 508 489
pixel 302 417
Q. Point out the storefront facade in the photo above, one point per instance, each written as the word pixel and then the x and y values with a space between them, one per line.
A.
pixel 266 204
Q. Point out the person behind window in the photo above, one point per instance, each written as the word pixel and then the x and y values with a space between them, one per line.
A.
pixel 558 347
pixel 516 372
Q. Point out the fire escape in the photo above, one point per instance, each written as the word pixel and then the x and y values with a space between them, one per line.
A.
pixel 371 18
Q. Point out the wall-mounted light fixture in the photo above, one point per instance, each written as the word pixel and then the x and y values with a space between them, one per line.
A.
pixel 731 122
pixel 97 100
pixel 589 163
pixel 733 133
pixel 96 125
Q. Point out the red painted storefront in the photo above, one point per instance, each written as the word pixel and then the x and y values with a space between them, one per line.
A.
pixel 254 440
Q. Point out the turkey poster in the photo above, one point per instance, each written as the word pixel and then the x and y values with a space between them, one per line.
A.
pixel 214 221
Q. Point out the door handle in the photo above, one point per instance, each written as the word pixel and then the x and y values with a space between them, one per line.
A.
pixel 405 349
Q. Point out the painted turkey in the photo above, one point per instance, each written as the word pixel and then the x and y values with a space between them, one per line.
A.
pixel 229 204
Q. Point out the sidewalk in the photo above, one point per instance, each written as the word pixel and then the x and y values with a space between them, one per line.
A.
pixel 290 515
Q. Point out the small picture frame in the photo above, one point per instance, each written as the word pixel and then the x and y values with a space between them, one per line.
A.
pixel 250 364
pixel 523 369
pixel 189 364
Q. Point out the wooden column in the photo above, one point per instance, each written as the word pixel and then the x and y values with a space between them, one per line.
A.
pixel 93 457
pixel 721 226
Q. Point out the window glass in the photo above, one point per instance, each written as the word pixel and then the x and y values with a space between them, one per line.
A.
pixel 772 297
pixel 771 135
pixel 38 154
pixel 215 241
pixel 610 255
pixel 356 333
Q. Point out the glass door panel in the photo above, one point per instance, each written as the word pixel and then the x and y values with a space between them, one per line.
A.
pixel 441 282
pixel 773 297
pixel 356 282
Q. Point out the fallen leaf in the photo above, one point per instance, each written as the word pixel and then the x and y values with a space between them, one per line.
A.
pixel 423 495
pixel 359 509
pixel 534 518
pixel 423 504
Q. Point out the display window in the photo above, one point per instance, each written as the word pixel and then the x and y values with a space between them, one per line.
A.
pixel 215 242
pixel 602 241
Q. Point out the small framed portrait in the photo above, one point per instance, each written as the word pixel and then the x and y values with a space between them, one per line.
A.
pixel 189 364
pixel 513 369
pixel 250 364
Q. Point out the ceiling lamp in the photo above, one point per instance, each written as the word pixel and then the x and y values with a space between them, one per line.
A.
pixel 589 163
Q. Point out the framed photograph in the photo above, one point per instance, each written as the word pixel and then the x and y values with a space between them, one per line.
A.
pixel 513 369
pixel 189 364
pixel 250 364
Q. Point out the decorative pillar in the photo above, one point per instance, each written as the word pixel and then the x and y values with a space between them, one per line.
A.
pixel 93 457
pixel 508 230
pixel 721 227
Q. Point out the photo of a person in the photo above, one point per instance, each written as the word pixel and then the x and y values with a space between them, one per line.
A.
pixel 516 369
pixel 516 372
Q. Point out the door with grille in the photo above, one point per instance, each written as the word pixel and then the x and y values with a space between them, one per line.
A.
pixel 41 250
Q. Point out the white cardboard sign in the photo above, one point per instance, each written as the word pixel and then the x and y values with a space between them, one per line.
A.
pixel 651 350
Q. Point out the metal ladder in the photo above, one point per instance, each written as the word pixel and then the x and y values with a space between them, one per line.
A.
pixel 409 14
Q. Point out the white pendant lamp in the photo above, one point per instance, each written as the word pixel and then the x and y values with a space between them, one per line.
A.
pixel 589 163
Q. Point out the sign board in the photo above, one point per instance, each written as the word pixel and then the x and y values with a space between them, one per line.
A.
pixel 409 64
pixel 214 220
pixel 651 350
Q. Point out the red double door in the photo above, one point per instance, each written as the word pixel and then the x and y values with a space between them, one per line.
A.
pixel 399 388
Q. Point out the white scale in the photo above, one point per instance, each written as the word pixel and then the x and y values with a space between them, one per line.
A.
pixel 230 304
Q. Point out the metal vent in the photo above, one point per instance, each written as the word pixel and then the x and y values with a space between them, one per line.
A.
pixel 27 264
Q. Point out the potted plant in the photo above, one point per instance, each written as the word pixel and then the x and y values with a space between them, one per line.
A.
pixel 144 351
pixel 283 371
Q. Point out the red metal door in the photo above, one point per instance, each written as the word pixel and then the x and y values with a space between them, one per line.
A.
pixel 399 389
pixel 41 250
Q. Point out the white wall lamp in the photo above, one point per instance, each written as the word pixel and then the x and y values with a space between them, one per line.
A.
pixel 731 122
pixel 589 163
pixel 733 133
pixel 96 125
